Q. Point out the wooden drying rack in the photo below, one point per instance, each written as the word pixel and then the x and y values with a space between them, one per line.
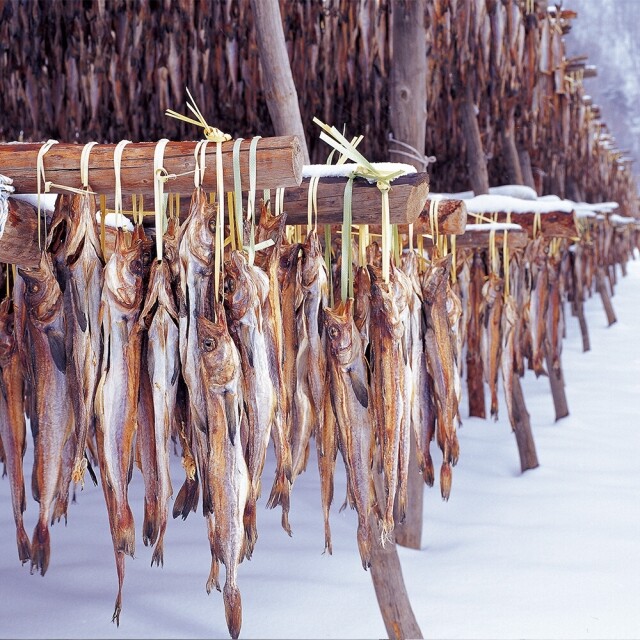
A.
pixel 278 164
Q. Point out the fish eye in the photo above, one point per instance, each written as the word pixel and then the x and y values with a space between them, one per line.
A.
pixel 136 266
pixel 209 344
pixel 334 332
pixel 34 287
pixel 285 261
pixel 9 327
pixel 168 254
pixel 146 258
pixel 229 285
pixel 212 224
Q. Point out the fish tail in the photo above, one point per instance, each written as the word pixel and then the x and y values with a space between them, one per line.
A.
pixel 158 553
pixel 187 498
pixel 125 532
pixel 60 508
pixel 364 543
pixel 328 547
pixel 494 402
pixel 454 449
pixel 77 475
pixel 151 524
pixel 118 605
pixel 214 572
pixel 24 546
pixel 280 495
pixel 428 474
pixel 445 480
pixel 40 548
pixel 232 609
pixel 250 525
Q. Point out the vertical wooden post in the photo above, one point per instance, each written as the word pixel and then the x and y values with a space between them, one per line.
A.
pixel 525 167
pixel 408 118
pixel 388 582
pixel 601 288
pixel 556 381
pixel 522 429
pixel 277 80
pixel 476 160
pixel 510 152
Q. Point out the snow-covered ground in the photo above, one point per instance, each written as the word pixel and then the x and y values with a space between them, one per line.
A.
pixel 553 553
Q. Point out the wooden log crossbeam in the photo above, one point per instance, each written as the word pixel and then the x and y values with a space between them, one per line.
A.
pixel 279 162
pixel 554 224
pixel 477 236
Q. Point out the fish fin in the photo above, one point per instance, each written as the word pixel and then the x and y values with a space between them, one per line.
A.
pixel 445 481
pixel 158 554
pixel 92 473
pixel 249 349
pixel 187 499
pixel 176 371
pixel 250 528
pixel 40 549
pixel 58 349
pixel 24 546
pixel 359 388
pixel 232 608
pixel 78 306
pixel 230 412
pixel 364 543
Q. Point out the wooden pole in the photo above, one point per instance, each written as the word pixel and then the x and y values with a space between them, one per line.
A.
pixel 388 582
pixel 278 160
pixel 601 288
pixel 556 381
pixel 452 218
pixel 476 161
pixel 522 429
pixel 277 80
pixel 525 168
pixel 408 118
pixel 510 152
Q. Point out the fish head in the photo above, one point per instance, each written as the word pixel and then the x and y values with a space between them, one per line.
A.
pixel 434 279
pixel 217 352
pixel 374 254
pixel 341 331
pixel 288 263
pixel 7 333
pixel 383 306
pixel 42 292
pixel 270 226
pixel 147 253
pixel 200 231
pixel 239 290
pixel 82 212
pixel 492 288
pixel 124 272
pixel 312 260
pixel 170 248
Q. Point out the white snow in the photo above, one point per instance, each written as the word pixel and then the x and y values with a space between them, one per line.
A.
pixel 515 191
pixel 47 200
pixel 552 553
pixel 115 220
pixel 493 226
pixel 346 169
pixel 617 219
pixel 494 203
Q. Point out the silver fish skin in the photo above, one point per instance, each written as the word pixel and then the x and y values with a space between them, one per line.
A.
pixel 246 292
pixel 117 393
pixel 51 411
pixel 160 317
pixel 389 358
pixel 350 394
pixel 490 339
pixel 220 371
pixel 12 422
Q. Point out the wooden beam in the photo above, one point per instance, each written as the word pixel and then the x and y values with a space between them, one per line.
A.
pixel 479 239
pixel 279 164
pixel 452 218
pixel 554 224
pixel 407 198
pixel 19 242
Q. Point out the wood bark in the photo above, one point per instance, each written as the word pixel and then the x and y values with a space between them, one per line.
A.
pixel 525 168
pixel 277 80
pixel 452 217
pixel 388 582
pixel 584 328
pixel 522 429
pixel 408 86
pixel 279 163
pixel 510 152
pixel 476 159
pixel 556 381
pixel 601 288
pixel 409 533
pixel 554 224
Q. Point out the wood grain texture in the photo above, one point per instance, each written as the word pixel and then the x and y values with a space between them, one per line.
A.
pixel 279 164
pixel 19 242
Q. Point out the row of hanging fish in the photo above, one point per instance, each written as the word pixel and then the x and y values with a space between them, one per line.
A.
pixel 518 322
pixel 113 362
